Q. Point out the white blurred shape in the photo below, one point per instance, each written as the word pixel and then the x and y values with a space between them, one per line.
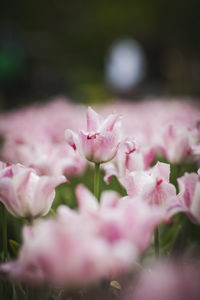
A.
pixel 125 65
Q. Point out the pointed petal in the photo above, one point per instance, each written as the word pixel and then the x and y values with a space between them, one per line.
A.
pixel 109 199
pixel 140 184
pixel 187 185
pixel 86 200
pixel 161 171
pixel 71 138
pixel 148 157
pixel 109 123
pixel 45 193
pixel 8 196
pixel 93 120
pixel 195 206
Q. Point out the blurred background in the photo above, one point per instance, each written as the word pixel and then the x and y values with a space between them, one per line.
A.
pixel 91 51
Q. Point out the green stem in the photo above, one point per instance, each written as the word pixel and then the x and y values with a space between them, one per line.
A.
pixel 14 294
pixel 96 180
pixel 182 236
pixel 30 220
pixel 4 233
pixel 156 243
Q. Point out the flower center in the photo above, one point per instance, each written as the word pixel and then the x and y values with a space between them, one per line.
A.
pixel 92 135
pixel 159 181
pixel 130 147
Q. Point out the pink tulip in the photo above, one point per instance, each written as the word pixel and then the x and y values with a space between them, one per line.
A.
pixel 101 140
pixel 77 248
pixel 152 187
pixel 180 142
pixel 120 218
pixel 68 251
pixel 188 199
pixel 129 158
pixel 167 280
pixel 141 124
pixel 50 159
pixel 24 193
pixel 31 139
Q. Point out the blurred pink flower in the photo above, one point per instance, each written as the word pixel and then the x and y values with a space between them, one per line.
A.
pixel 167 280
pixel 47 158
pixel 120 218
pixel 188 199
pixel 145 127
pixel 180 142
pixel 34 137
pixel 24 193
pixel 68 251
pixel 101 140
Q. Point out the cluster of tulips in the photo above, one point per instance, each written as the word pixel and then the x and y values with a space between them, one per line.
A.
pixel 151 148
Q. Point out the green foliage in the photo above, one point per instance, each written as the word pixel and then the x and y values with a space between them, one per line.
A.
pixel 65 193
pixel 178 170
pixel 14 246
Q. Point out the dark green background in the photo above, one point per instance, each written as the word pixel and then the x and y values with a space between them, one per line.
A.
pixel 58 47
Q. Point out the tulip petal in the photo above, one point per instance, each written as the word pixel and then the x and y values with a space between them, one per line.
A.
pixel 93 121
pixel 86 200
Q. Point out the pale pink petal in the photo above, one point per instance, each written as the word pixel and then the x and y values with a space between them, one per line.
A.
pixel 140 221
pixel 106 147
pixel 148 157
pixel 140 183
pixel 110 170
pixel 71 138
pixel 101 148
pixel 109 199
pixel 93 122
pixel 110 122
pixel 176 205
pixel 161 171
pixel 8 196
pixel 45 192
pixel 187 185
pixel 86 200
pixel 86 145
pixel 195 205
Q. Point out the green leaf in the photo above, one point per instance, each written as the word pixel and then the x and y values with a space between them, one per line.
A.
pixel 14 246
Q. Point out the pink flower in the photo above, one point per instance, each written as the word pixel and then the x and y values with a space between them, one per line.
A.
pixel 50 159
pixel 68 251
pixel 152 187
pixel 24 193
pixel 101 140
pixel 120 218
pixel 167 280
pixel 34 137
pixel 188 199
pixel 180 142
pixel 129 158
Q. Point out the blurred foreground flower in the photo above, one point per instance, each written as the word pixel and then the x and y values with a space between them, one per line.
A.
pixel 99 241
pixel 120 218
pixel 167 281
pixel 68 251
